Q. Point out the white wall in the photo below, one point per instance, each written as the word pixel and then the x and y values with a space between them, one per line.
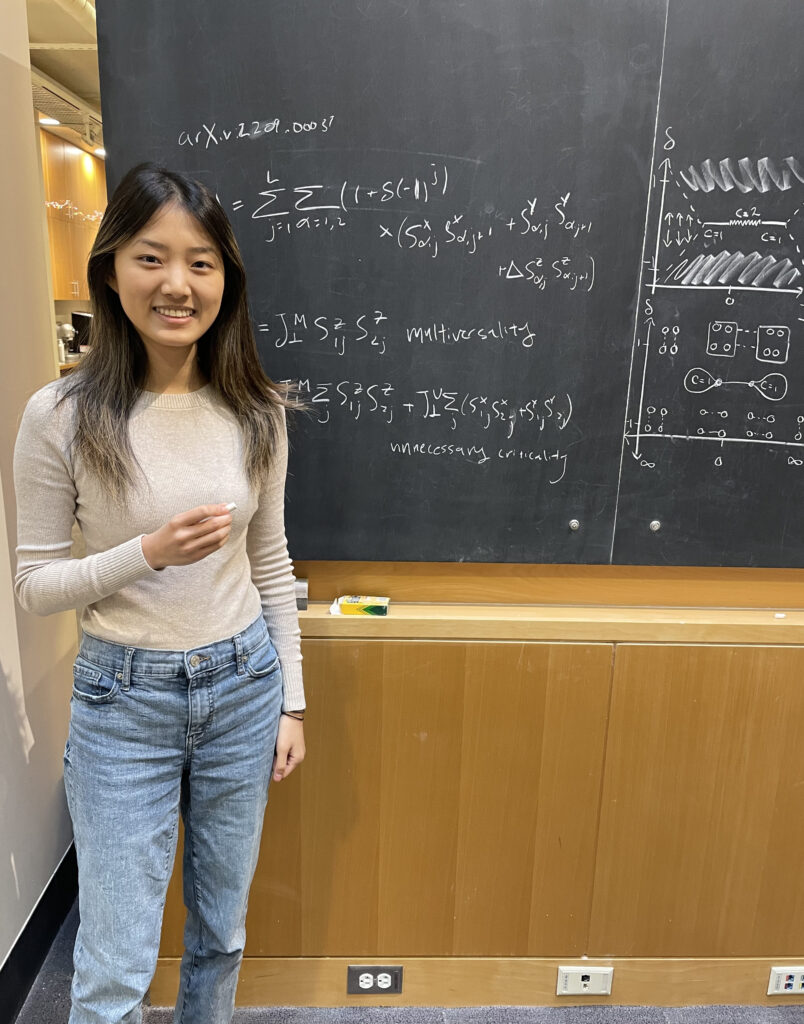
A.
pixel 35 653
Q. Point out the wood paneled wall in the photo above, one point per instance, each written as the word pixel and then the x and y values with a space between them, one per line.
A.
pixel 449 805
pixel 504 799
pixel 702 829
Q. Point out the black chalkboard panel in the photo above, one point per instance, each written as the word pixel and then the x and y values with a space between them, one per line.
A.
pixel 715 422
pixel 449 213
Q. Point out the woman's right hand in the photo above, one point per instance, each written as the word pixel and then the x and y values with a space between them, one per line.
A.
pixel 184 539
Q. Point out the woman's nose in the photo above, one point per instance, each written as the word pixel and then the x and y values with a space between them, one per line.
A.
pixel 176 282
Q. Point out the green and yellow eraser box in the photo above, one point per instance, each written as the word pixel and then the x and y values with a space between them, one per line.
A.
pixel 352 604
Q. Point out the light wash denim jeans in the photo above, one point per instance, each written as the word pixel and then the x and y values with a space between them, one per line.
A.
pixel 153 733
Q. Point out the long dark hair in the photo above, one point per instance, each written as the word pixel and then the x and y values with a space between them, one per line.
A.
pixel 113 372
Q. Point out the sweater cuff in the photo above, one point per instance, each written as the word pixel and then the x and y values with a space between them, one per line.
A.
pixel 126 563
pixel 293 689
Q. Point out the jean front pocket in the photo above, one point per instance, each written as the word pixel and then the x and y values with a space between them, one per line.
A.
pixel 263 659
pixel 93 685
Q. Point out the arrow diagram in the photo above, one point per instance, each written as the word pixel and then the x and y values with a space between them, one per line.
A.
pixel 665 169
pixel 642 396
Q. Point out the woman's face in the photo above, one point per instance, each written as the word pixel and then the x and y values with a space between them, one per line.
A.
pixel 169 278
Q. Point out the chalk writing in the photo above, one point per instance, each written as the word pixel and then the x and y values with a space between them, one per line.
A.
pixel 478 454
pixel 745 178
pixel 329 331
pixel 443 334
pixel 390 403
pixel 214 135
pixel 406 221
pixel 754 256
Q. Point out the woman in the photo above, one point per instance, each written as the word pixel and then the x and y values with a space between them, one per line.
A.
pixel 187 688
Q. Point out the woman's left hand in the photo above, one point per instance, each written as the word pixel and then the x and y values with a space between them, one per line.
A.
pixel 289 747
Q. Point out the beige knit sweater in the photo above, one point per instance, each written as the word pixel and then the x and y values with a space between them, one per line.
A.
pixel 190 448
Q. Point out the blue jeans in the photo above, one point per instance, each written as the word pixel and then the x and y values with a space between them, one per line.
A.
pixel 154 733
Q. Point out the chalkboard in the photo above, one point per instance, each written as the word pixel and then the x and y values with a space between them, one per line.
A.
pixel 535 263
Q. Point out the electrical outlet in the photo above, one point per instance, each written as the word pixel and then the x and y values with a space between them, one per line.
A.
pixel 373 979
pixel 584 981
pixel 786 981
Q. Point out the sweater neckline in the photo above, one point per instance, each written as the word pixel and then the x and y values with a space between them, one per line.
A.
pixel 184 400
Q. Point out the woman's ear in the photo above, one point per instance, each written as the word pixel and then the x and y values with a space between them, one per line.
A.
pixel 111 280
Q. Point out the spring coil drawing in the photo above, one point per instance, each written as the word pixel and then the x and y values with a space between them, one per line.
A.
pixel 728 268
pixel 745 177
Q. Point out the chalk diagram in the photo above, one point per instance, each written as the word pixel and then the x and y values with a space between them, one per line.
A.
pixel 719 335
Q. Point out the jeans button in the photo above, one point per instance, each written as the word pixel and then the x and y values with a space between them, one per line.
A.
pixel 195 660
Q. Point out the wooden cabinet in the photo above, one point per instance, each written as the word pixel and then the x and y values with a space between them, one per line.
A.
pixel 701 827
pixel 448 808
pixel 536 799
pixel 490 791
pixel 79 179
pixel 63 259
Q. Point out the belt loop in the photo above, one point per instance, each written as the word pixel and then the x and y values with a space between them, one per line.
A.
pixel 127 669
pixel 238 642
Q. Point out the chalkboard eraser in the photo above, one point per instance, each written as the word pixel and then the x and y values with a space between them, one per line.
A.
pixel 351 604
pixel 301 595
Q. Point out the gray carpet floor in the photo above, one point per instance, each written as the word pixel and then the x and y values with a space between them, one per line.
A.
pixel 48 1002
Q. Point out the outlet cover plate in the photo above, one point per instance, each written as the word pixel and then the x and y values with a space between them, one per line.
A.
pixel 373 979
pixel 584 980
pixel 786 981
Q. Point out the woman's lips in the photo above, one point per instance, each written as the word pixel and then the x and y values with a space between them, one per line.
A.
pixel 173 317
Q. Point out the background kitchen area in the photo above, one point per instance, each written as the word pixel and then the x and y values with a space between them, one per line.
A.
pixel 66 102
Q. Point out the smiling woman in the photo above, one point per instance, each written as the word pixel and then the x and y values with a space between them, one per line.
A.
pixel 187 593
pixel 170 278
pixel 137 343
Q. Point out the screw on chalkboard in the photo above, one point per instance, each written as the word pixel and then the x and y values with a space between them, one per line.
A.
pixel 655 525
pixel 574 524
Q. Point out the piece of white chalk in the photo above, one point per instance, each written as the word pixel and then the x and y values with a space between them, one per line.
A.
pixel 780 615
pixel 230 507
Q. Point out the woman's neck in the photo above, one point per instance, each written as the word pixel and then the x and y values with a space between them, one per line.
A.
pixel 175 386
pixel 172 372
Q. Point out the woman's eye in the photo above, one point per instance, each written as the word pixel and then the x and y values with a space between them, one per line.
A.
pixel 203 264
pixel 148 258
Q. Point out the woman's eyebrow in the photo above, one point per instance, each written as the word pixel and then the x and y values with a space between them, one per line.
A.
pixel 194 249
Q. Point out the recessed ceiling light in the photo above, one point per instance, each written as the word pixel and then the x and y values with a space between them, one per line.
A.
pixel 48 120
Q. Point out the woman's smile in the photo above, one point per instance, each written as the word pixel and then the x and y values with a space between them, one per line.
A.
pixel 174 315
pixel 169 278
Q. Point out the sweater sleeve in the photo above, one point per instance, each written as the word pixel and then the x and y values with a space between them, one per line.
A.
pixel 48 580
pixel 272 574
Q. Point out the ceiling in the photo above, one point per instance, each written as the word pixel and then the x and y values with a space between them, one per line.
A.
pixel 64 68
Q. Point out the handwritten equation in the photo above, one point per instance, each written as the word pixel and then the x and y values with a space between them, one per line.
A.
pixel 372 333
pixel 390 404
pixel 539 244
pixel 349 195
pixel 327 331
pixel 541 241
